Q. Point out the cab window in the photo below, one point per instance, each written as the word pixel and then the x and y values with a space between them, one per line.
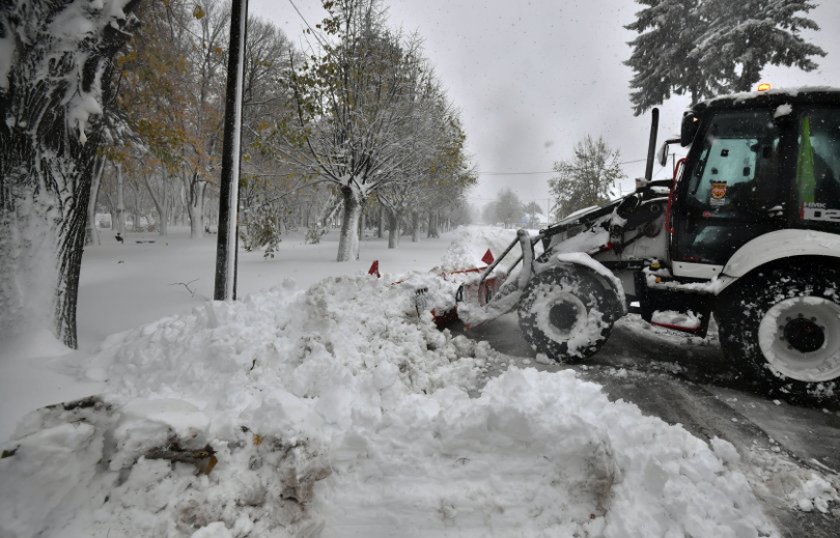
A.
pixel 818 166
pixel 735 174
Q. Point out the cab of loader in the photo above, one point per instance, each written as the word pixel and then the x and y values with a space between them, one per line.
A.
pixel 757 164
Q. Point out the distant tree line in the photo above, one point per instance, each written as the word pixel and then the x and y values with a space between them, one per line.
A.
pixel 356 130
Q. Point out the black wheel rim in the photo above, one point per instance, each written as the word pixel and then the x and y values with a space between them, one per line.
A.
pixel 803 335
pixel 563 316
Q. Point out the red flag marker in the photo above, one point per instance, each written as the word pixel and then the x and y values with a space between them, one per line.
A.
pixel 374 269
pixel 488 257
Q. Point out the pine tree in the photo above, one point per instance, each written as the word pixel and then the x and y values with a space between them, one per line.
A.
pixel 660 59
pixel 587 179
pixel 715 46
pixel 745 36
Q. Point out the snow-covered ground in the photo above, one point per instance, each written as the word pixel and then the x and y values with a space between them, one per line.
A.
pixel 330 407
pixel 149 277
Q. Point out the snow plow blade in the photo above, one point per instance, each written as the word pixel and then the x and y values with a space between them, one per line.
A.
pixel 475 287
pixel 495 294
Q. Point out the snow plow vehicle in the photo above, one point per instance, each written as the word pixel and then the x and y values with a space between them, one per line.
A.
pixel 748 230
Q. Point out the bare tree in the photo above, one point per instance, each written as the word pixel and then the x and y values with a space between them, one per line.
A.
pixel 351 110
pixel 585 180
pixel 509 209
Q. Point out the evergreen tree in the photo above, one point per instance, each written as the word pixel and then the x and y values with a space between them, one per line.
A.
pixel 715 46
pixel 660 59
pixel 745 36
pixel 586 180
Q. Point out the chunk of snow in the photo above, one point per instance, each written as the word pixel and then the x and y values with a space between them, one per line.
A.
pixel 725 451
pixel 782 110
pixel 686 320
pixel 815 492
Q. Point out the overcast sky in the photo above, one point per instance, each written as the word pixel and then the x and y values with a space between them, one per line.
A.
pixel 531 78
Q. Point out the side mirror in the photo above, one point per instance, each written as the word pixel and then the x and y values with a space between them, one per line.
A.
pixel 662 156
pixel 689 128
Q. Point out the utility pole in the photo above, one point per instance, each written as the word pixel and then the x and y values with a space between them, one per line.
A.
pixel 226 247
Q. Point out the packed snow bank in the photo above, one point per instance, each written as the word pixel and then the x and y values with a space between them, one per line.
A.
pixel 339 411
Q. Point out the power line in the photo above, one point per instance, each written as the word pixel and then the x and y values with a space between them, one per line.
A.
pixel 531 173
pixel 311 30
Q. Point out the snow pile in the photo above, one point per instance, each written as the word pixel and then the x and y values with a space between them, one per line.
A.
pixel 816 492
pixel 782 482
pixel 339 411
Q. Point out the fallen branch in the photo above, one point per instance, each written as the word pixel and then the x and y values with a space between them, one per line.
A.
pixel 204 459
pixel 186 285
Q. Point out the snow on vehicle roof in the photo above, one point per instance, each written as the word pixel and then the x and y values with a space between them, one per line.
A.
pixel 773 97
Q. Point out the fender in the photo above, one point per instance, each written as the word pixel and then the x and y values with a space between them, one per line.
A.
pixel 775 246
pixel 581 259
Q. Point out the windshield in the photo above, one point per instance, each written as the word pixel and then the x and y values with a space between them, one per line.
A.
pixel 818 165
pixel 738 163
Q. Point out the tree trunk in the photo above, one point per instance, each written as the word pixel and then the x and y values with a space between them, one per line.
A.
pixel 393 229
pixel 362 217
pixel 120 220
pixel 415 225
pixel 165 210
pixel 51 100
pixel 92 233
pixel 195 204
pixel 161 202
pixel 380 226
pixel 433 231
pixel 348 240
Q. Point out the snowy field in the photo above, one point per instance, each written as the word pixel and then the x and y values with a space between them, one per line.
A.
pixel 322 404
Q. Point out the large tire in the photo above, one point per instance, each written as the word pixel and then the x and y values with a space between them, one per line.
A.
pixel 783 323
pixel 567 312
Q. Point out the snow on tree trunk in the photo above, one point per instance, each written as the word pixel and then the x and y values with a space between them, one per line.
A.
pixel 51 96
pixel 195 207
pixel 362 217
pixel 348 240
pixel 92 233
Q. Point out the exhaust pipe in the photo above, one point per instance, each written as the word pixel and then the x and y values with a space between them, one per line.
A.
pixel 651 156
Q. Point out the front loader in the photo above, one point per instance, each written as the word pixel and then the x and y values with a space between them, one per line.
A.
pixel 748 230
